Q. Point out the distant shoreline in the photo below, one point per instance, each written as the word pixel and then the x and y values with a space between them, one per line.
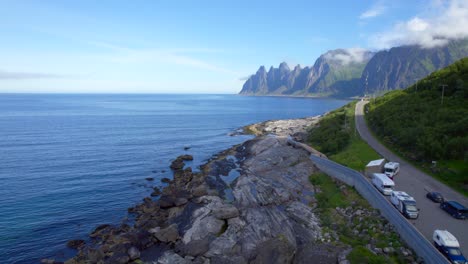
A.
pixel 302 96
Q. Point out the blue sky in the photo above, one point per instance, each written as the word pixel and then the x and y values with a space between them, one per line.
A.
pixel 197 46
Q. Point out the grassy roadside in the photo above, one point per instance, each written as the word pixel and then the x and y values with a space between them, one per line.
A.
pixel 450 172
pixel 336 137
pixel 348 219
pixel 338 204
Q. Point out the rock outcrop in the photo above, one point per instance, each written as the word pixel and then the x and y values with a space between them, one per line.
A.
pixel 264 213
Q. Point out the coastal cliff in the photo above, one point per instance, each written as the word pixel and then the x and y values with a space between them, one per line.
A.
pixel 253 203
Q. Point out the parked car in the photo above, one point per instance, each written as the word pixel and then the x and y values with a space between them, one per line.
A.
pixel 448 245
pixel 455 209
pixel 435 197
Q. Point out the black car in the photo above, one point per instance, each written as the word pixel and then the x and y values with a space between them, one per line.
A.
pixel 435 197
pixel 455 209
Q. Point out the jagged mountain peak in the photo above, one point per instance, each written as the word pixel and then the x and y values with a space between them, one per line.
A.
pixel 355 71
pixel 261 69
pixel 284 67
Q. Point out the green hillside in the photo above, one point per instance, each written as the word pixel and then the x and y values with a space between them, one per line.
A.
pixel 424 126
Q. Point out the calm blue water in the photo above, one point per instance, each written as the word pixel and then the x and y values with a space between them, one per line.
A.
pixel 71 162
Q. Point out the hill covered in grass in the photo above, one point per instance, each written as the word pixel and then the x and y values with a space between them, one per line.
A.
pixel 335 136
pixel 428 122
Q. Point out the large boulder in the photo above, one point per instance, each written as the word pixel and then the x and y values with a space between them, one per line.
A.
pixel 204 224
pixel 226 211
pixel 168 234
pixel 196 248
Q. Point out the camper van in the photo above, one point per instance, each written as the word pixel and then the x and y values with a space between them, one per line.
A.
pixel 405 204
pixel 383 183
pixel 448 245
pixel 391 169
pixel 380 166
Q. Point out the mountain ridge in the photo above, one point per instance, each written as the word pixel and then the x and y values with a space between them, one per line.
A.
pixel 355 72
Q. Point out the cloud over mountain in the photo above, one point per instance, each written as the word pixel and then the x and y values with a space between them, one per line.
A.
pixel 347 56
pixel 449 22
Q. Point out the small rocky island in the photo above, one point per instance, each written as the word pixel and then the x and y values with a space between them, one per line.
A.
pixel 253 203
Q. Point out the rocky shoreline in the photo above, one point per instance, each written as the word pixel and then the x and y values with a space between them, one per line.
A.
pixel 253 203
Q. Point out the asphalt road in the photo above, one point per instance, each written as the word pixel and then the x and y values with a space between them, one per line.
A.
pixel 416 183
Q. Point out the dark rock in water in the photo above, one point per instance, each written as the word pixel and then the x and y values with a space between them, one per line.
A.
pixel 177 164
pixel 186 148
pixel 149 179
pixel 166 180
pixel 76 243
pixel 100 230
pixel 163 171
pixel 185 157
pixel 133 253
pixel 156 191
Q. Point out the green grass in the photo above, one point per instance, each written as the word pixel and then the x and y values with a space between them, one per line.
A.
pixel 348 148
pixel 361 254
pixel 329 198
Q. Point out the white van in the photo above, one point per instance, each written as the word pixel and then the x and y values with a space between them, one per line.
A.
pixel 383 183
pixel 391 169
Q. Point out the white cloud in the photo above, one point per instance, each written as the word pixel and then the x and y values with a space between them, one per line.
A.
pixel 347 56
pixel 450 22
pixel 376 10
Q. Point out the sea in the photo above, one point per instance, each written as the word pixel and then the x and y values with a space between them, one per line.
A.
pixel 70 162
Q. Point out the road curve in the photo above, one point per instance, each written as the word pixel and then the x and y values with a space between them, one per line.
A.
pixel 416 183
